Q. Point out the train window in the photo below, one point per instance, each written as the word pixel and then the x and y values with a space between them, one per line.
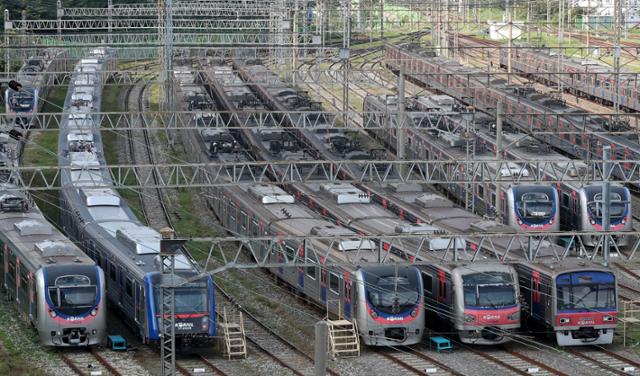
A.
pixel 480 191
pixel 334 283
pixel 310 270
pixel 565 200
pixel 129 287
pixel 427 281
pixel 242 219
pixel 112 272
pixel 289 251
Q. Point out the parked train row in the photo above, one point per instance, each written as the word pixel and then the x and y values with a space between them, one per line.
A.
pixel 585 77
pixel 51 282
pixel 102 223
pixel 480 301
pixel 35 84
pixel 566 128
pixel 438 133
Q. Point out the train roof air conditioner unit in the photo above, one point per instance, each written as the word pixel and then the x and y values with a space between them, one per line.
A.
pixel 346 193
pixel 270 194
pixel 54 248
pixel 140 239
pixel 354 245
pixel 32 227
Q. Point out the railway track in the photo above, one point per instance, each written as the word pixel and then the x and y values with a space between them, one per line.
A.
pixel 609 361
pixel 198 365
pixel 89 362
pixel 262 341
pixel 141 150
pixel 417 361
pixel 516 362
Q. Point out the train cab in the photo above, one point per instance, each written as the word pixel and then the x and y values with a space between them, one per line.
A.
pixel 574 300
pixel 390 308
pixel 480 301
pixel 71 308
pixel 533 208
pixel 194 307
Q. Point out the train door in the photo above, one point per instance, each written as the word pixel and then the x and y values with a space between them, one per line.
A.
pixel 128 301
pixel 137 302
pixel 335 291
pixel 311 276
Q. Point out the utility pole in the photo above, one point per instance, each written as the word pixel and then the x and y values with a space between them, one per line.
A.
pixel 110 20
pixel 499 153
pixel 617 8
pixel 166 27
pixel 294 55
pixel 560 43
pixel 606 201
pixel 168 250
pixel 7 63
pixel 59 19
pixel 381 19
pixel 400 134
pixel 509 10
pixel 345 56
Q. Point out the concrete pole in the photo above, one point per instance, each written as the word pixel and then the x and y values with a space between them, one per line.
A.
pixel 606 201
pixel 320 358
pixel 499 119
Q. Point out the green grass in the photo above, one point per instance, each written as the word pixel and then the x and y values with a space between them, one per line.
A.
pixel 42 150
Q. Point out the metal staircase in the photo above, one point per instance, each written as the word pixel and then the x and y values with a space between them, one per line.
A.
pixel 235 344
pixel 343 338
pixel 342 334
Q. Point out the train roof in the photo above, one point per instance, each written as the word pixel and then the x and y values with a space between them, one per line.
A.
pixel 555 268
pixel 32 236
pixel 106 217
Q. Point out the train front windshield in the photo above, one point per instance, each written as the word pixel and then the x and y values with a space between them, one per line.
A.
pixel 22 101
pixel 73 295
pixel 392 291
pixel 191 300
pixel 586 291
pixel 618 205
pixel 188 299
pixel 535 205
pixel 488 290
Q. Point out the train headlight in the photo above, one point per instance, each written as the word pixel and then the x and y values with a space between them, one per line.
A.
pixel 94 312
pixel 514 316
pixel 374 314
pixel 565 320
pixel 608 318
pixel 469 318
pixel 205 323
pixel 624 220
pixel 52 313
pixel 592 221
pixel 414 313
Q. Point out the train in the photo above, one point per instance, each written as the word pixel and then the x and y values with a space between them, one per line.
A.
pixel 480 301
pixel 587 78
pixel 385 301
pixel 35 84
pixel 437 133
pixel 347 205
pixel 576 301
pixel 570 130
pixel 104 225
pixel 53 285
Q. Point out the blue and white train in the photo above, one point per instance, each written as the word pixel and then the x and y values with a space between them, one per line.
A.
pixel 35 82
pixel 109 232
